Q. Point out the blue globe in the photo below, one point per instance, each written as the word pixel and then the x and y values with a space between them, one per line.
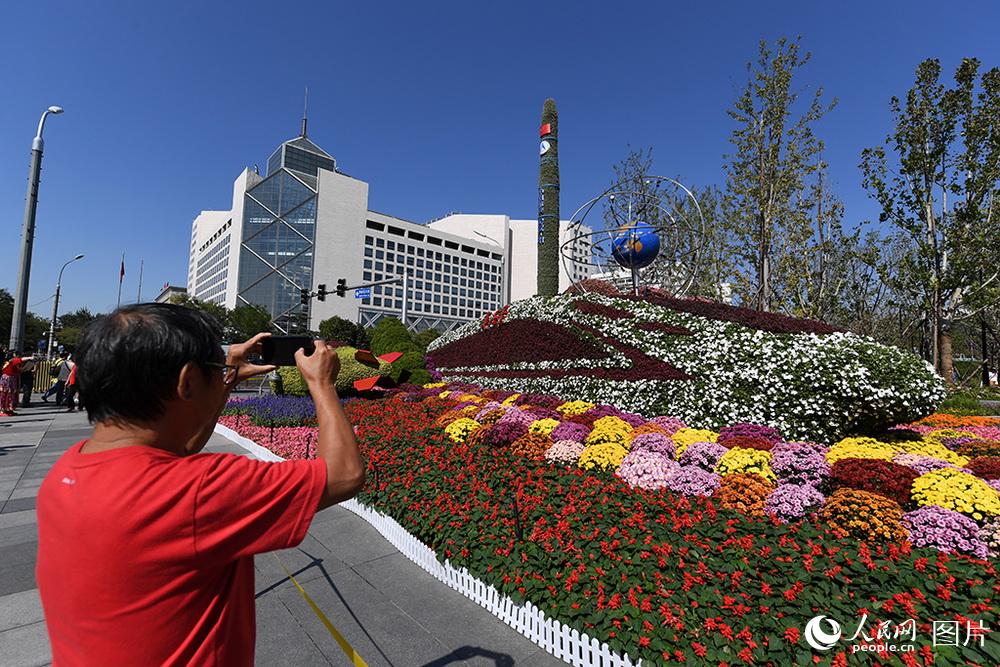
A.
pixel 635 246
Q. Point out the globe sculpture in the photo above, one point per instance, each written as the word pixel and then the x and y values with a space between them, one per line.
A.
pixel 646 230
pixel 635 247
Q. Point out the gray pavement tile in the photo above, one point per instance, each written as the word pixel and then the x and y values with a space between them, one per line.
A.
pixel 377 629
pixel 18 534
pixel 456 621
pixel 29 492
pixel 541 659
pixel 351 539
pixel 28 484
pixel 19 504
pixel 281 640
pixel 18 554
pixel 26 646
pixel 307 561
pixel 12 519
pixel 17 578
pixel 19 609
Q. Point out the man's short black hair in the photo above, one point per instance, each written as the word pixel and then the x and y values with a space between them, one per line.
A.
pixel 128 362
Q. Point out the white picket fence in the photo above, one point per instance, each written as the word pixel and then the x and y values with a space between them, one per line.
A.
pixel 565 643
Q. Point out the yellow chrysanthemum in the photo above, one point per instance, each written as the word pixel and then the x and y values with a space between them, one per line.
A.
pixel 510 399
pixel 956 490
pixel 543 426
pixel 743 460
pixel 610 430
pixel 605 456
pixel 460 429
pixel 572 408
pixel 685 436
pixel 861 448
pixel 933 448
pixel 433 385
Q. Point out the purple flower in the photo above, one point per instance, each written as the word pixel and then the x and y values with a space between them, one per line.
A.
pixel 922 464
pixel 570 431
pixel 944 530
pixel 803 464
pixel 539 412
pixel 646 469
pixel 692 481
pixel 744 430
pixel 995 483
pixel 632 419
pixel 503 433
pixel 703 455
pixel 793 446
pixel 488 408
pixel 670 424
pixel 516 416
pixel 654 442
pixel 791 502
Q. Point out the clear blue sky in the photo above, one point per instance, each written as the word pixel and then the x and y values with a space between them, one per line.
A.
pixel 435 104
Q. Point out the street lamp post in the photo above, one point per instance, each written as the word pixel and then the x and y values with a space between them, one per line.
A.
pixel 503 266
pixel 28 235
pixel 55 304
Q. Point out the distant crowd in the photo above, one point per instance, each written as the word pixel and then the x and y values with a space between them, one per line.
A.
pixel 17 381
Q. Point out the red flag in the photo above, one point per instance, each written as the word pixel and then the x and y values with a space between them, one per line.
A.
pixel 545 129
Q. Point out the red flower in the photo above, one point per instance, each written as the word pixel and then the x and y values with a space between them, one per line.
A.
pixel 699 649
pixel 792 635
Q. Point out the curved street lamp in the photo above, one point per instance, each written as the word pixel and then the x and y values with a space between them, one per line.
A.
pixel 28 235
pixel 55 305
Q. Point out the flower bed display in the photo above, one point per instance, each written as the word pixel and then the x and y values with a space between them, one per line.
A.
pixel 661 568
pixel 710 364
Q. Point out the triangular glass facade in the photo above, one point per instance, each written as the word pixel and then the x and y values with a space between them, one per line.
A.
pixel 276 251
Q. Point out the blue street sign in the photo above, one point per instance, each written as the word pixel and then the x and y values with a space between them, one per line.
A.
pixel 363 293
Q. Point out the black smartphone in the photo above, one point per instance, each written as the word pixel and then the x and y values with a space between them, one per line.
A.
pixel 280 350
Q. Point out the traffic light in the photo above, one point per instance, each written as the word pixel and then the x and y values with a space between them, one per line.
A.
pixel 341 286
pixel 321 292
pixel 304 298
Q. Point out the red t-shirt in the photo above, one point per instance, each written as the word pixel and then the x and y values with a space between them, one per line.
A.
pixel 146 557
pixel 13 367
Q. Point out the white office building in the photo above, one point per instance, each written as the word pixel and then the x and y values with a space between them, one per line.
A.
pixel 304 223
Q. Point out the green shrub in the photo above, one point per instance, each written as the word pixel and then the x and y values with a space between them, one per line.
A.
pixel 350 371
pixel 389 335
pixel 964 403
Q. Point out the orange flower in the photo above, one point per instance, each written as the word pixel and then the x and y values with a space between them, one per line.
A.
pixel 531 446
pixel 943 420
pixel 745 492
pixel 865 516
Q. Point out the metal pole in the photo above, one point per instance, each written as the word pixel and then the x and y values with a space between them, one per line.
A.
pixel 52 324
pixel 138 298
pixel 55 304
pixel 28 235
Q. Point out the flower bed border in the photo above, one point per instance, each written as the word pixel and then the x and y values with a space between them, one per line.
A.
pixel 567 644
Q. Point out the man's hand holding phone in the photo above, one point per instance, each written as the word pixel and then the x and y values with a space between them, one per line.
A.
pixel 238 354
pixel 320 368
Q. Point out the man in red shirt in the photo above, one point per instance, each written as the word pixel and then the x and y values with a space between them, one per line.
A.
pixel 145 546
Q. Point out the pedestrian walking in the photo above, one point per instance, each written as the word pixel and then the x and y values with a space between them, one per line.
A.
pixel 146 545
pixel 60 374
pixel 8 383
pixel 27 380
pixel 71 390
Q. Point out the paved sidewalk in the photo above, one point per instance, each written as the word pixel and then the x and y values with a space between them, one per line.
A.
pixel 390 610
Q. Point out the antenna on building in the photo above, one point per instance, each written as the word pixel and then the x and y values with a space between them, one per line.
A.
pixel 305 110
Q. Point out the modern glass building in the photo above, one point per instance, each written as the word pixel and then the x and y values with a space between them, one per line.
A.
pixel 304 223
pixel 279 233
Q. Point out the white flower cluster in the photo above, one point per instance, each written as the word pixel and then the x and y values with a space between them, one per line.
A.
pixel 809 386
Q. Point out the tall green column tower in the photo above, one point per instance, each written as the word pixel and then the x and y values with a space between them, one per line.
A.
pixel 548 202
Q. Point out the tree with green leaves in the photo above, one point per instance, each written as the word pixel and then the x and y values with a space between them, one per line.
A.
pixel 767 187
pixel 246 321
pixel 548 202
pixel 939 189
pixel 343 330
